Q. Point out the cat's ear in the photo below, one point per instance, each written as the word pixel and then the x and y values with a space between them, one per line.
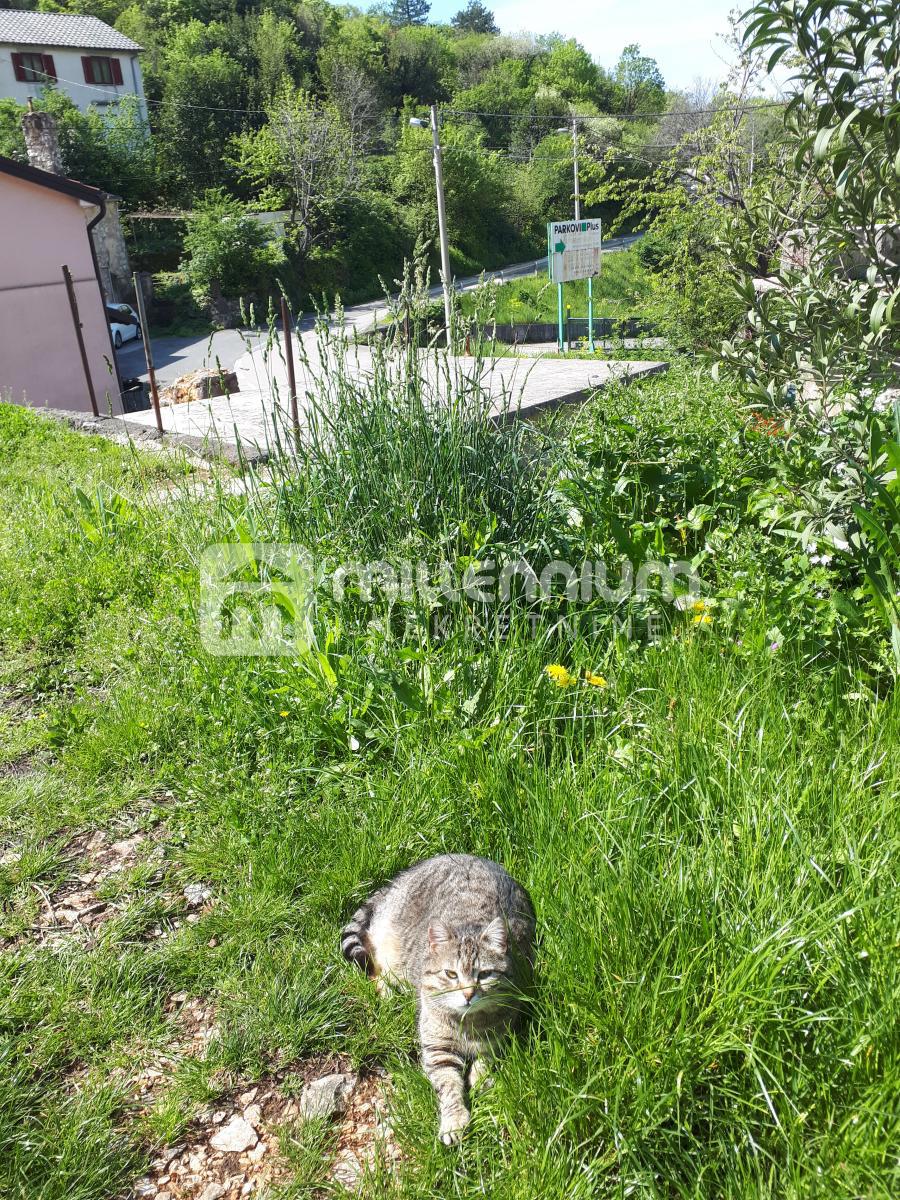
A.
pixel 439 935
pixel 494 935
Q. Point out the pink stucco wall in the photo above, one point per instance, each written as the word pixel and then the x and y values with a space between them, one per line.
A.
pixel 40 365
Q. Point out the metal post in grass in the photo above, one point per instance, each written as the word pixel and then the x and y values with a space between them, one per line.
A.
pixel 591 314
pixel 289 360
pixel 76 321
pixel 590 282
pixel 148 351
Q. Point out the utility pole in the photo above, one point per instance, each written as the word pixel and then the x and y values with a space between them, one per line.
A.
pixel 446 279
pixel 590 282
pixel 575 168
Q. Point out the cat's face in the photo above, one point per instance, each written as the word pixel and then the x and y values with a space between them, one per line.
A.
pixel 466 970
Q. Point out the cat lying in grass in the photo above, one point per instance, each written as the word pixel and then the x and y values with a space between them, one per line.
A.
pixel 460 931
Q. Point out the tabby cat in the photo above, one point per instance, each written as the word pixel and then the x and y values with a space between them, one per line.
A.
pixel 460 931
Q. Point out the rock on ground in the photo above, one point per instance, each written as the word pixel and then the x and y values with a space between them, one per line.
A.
pixel 200 385
pixel 326 1097
pixel 238 1135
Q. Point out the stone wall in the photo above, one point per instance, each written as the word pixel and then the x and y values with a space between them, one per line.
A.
pixel 112 255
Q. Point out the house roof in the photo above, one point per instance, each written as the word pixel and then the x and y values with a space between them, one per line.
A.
pixel 57 183
pixel 60 29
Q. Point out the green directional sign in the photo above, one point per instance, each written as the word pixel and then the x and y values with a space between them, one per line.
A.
pixel 574 248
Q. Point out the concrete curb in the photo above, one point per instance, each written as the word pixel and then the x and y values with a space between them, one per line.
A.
pixel 142 437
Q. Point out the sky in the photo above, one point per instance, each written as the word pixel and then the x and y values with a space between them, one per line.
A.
pixel 680 36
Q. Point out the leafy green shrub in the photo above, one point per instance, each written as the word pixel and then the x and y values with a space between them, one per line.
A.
pixel 228 252
pixel 110 149
pixel 823 341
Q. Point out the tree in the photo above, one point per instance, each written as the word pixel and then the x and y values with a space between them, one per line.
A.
pixel 357 52
pixel 355 98
pixel 475 18
pixel 229 253
pixel 308 151
pixel 505 88
pixel 275 49
pixel 409 12
pixel 421 64
pixel 477 183
pixel 204 95
pixel 640 87
pixel 571 72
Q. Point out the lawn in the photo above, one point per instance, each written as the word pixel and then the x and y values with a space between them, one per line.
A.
pixel 709 833
pixel 620 291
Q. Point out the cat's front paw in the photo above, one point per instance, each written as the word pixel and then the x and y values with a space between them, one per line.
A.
pixel 480 1077
pixel 453 1125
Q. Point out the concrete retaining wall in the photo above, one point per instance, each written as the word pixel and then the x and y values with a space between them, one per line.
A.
pixel 575 329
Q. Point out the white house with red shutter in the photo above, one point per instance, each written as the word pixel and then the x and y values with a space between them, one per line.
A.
pixel 85 58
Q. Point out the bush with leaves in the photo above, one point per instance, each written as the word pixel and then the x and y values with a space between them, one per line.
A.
pixel 229 253
pixel 112 150
pixel 686 180
pixel 824 337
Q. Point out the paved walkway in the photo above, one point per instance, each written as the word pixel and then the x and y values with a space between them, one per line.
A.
pixel 176 356
pixel 258 414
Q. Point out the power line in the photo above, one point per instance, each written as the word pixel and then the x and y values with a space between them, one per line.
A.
pixel 80 83
pixel 693 112
pixel 459 112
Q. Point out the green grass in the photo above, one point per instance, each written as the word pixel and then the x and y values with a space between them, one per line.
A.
pixel 710 841
pixel 620 291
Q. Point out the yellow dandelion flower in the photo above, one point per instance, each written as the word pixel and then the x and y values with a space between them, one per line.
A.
pixel 284 713
pixel 595 680
pixel 703 619
pixel 700 606
pixel 560 675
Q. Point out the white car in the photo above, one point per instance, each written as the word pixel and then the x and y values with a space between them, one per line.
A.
pixel 123 323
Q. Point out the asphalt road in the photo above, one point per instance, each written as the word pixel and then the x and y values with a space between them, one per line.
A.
pixel 175 356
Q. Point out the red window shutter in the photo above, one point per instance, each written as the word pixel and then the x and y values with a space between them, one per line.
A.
pixel 88 68
pixel 116 70
pixel 18 69
pixel 49 68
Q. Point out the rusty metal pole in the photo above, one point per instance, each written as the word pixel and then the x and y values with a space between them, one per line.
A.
pixel 148 353
pixel 76 321
pixel 289 359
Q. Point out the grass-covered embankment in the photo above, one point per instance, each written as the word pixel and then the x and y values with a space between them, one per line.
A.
pixel 621 290
pixel 708 829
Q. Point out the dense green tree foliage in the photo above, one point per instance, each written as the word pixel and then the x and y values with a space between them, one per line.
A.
pixel 639 85
pixel 410 12
pixel 821 343
pixel 475 18
pixel 304 106
pixel 227 251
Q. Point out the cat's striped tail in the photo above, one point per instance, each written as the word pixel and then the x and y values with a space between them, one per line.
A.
pixel 354 942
